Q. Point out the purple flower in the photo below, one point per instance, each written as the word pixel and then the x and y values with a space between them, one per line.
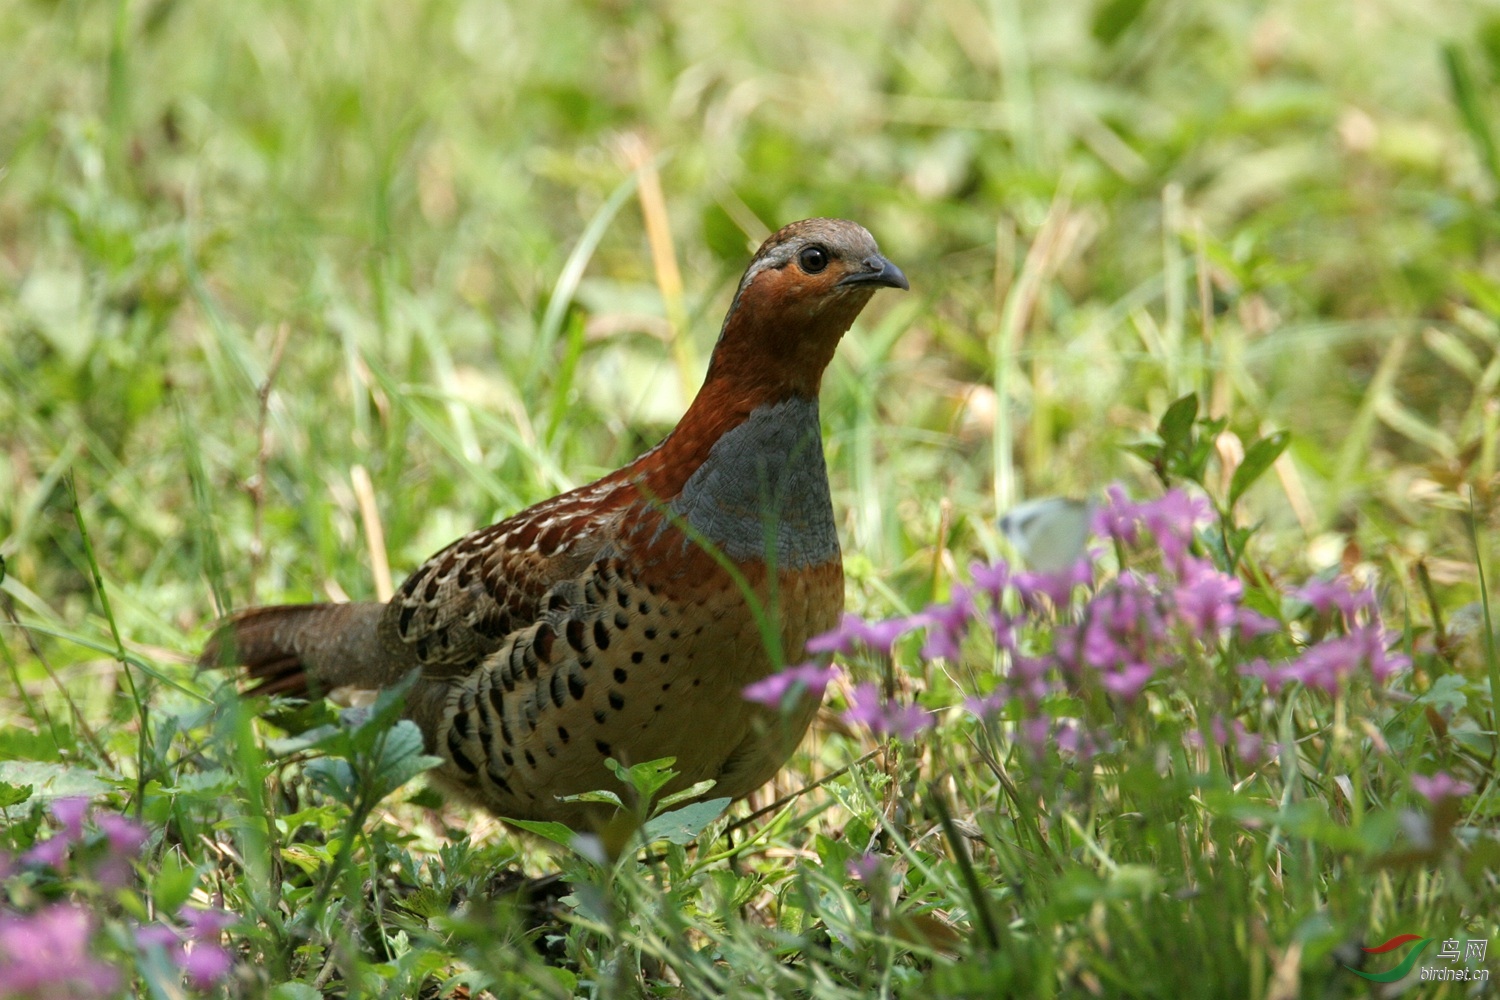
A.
pixel 987 706
pixel 1127 680
pixel 1252 624
pixel 1249 747
pixel 47 955
pixel 204 924
pixel 1328 664
pixel 991 578
pixel 1207 600
pixel 1056 587
pixel 199 956
pixel 1440 786
pixel 52 852
pixel 947 625
pixel 206 964
pixel 869 709
pixel 866 868
pixel 1170 520
pixel 125 836
pixel 71 812
pixel 157 936
pixel 853 631
pixel 1034 733
pixel 808 679
pixel 1325 596
pixel 1275 678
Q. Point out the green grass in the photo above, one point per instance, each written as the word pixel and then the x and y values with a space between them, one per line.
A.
pixel 255 255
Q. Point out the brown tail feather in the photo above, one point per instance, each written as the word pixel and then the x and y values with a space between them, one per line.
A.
pixel 297 649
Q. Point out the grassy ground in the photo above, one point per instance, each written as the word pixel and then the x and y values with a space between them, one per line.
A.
pixel 293 294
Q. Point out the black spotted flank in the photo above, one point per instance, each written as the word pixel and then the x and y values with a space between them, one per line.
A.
pixel 576 687
pixel 500 782
pixel 620 675
pixel 575 636
pixel 456 754
pixel 542 644
pixel 404 621
pixel 601 635
pixel 616 700
pixel 650 634
pixel 562 734
pixel 559 688
pixel 530 759
pixel 602 747
pixel 637 656
pixel 622 621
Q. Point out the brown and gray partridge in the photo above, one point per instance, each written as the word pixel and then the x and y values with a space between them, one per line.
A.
pixel 614 620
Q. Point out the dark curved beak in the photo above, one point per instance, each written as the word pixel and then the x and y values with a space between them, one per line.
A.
pixel 878 272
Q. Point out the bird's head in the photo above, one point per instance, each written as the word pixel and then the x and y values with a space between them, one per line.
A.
pixel 798 297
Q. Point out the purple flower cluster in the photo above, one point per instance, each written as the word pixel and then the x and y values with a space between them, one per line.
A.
pixel 1082 629
pixel 1442 785
pixel 123 838
pixel 789 685
pixel 193 948
pixel 1361 644
pixel 46 954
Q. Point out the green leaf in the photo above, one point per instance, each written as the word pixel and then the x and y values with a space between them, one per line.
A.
pixel 682 826
pixel 334 778
pixel 647 779
pixel 1258 458
pixel 558 833
pixel 53 781
pixel 1176 426
pixel 295 991
pixel 400 758
pixel 1113 18
pixel 1471 108
pixel 172 882
pixel 11 795
pixel 687 793
pixel 608 798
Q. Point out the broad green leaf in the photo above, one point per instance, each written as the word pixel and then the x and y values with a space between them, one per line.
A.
pixel 11 795
pixel 172 882
pixel 647 779
pixel 696 790
pixel 1258 458
pixel 558 833
pixel 1176 426
pixel 682 826
pixel 295 991
pixel 608 798
pixel 53 781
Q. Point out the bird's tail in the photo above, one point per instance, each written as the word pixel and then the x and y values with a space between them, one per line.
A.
pixel 301 649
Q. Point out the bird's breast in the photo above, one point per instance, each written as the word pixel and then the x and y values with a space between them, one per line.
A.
pixel 761 494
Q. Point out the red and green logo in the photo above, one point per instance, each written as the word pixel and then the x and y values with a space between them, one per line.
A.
pixel 1400 971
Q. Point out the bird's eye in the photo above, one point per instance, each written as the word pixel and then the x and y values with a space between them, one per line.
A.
pixel 812 259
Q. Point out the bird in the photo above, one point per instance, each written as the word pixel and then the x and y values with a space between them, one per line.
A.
pixel 620 620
